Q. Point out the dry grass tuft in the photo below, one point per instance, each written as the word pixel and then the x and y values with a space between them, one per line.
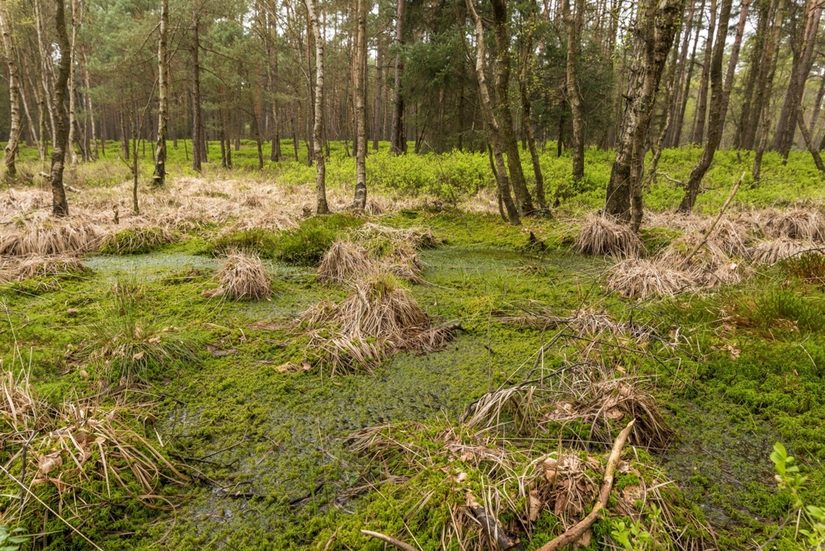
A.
pixel 379 317
pixel 75 456
pixel 343 262
pixel 50 236
pixel 601 236
pixel 419 238
pixel 242 277
pixel 136 240
pixel 643 279
pixel 801 223
pixel 583 322
pixel 772 251
pixel 39 266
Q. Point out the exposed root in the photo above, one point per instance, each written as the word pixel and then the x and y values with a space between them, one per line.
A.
pixel 242 277
pixel 643 279
pixel 601 236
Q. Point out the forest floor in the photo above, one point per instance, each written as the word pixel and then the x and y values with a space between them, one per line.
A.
pixel 261 431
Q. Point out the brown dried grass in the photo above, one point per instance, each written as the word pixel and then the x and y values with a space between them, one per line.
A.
pixel 50 236
pixel 379 317
pixel 343 262
pixel 74 448
pixel 643 279
pixel 242 277
pixel 772 251
pixel 38 266
pixel 602 236
pixel 800 223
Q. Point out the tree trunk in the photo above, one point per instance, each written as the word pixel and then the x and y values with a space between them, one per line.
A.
pixel 502 180
pixel 359 74
pixel 501 106
pixel 14 96
pixel 802 64
pixel 720 96
pixel 684 76
pixel 72 85
pixel 806 135
pixel 698 135
pixel 756 130
pixel 60 206
pixel 657 24
pixel 90 108
pixel 574 100
pixel 398 138
pixel 318 127
pixel 159 177
pixel 198 141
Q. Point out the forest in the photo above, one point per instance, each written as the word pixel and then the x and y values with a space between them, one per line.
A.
pixel 421 275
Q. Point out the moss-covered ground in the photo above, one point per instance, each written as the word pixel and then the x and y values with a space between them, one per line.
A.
pixel 265 445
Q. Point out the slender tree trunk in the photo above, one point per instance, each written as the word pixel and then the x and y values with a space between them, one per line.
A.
pixel 318 127
pixel 46 63
pixel 359 74
pixel 755 131
pixel 817 107
pixel 378 116
pixel 656 28
pixel 60 207
pixel 72 86
pixel 698 135
pixel 806 135
pixel 681 86
pixel 14 96
pixel 720 96
pixel 803 62
pixel 90 107
pixel 159 177
pixel 574 100
pixel 198 142
pixel 747 126
pixel 500 171
pixel 398 138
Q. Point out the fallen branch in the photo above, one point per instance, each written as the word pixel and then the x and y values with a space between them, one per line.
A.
pixel 392 541
pixel 576 531
pixel 716 221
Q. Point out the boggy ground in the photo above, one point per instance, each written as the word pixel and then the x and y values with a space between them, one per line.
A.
pixel 259 427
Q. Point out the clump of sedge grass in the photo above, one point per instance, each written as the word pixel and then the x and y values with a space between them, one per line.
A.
pixel 343 262
pixel 50 237
pixel 130 349
pixel 40 266
pixel 602 236
pixel 643 279
pixel 137 240
pixel 801 223
pixel 772 251
pixel 242 277
pixel 75 457
pixel 379 317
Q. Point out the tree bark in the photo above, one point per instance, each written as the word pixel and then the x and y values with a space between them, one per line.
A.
pixel 359 84
pixel 806 135
pixel 501 106
pixel 574 100
pixel 698 134
pixel 398 138
pixel 60 206
pixel 500 170
pixel 720 97
pixel 198 141
pixel 656 28
pixel 756 132
pixel 72 85
pixel 159 177
pixel 14 96
pixel 802 64
pixel 322 206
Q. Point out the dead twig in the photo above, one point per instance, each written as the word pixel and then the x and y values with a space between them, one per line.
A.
pixel 575 532
pixel 392 541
